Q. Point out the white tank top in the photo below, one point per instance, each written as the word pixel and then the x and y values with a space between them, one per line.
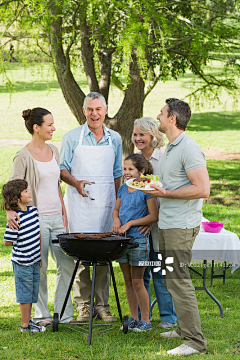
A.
pixel 48 195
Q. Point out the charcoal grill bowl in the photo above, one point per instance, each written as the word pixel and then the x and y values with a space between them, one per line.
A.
pixel 95 250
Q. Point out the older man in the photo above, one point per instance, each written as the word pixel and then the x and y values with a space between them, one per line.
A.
pixel 91 153
pixel 185 182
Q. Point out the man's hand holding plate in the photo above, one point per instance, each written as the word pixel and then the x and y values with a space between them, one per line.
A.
pixel 159 192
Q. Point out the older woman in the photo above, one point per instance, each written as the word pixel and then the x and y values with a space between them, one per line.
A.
pixel 38 163
pixel 149 141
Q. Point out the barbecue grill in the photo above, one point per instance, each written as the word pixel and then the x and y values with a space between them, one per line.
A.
pixel 94 252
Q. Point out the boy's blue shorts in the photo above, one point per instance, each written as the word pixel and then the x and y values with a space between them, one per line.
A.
pixel 27 280
pixel 139 255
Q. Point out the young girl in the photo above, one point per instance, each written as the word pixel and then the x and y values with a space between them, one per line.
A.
pixel 26 255
pixel 133 209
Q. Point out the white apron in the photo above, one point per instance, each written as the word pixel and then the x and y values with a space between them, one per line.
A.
pixel 92 163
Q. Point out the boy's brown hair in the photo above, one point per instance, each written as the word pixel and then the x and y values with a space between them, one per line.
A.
pixel 11 193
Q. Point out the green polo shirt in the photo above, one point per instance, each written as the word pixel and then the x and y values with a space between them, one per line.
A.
pixel 182 155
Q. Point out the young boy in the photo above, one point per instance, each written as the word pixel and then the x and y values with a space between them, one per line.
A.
pixel 26 255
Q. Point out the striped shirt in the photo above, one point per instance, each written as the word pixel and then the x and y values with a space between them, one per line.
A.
pixel 26 240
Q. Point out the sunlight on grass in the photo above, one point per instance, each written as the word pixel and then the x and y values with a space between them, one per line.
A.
pixel 37 86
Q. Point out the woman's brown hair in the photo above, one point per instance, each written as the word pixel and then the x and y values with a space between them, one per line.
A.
pixel 34 116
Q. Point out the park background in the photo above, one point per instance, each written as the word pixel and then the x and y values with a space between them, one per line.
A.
pixel 179 38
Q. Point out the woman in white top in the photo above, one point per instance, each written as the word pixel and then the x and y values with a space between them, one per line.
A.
pixel 148 139
pixel 38 164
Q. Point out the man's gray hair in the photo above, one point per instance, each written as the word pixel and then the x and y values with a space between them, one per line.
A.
pixel 181 110
pixel 94 95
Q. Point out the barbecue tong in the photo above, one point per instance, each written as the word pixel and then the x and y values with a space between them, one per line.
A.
pixel 85 191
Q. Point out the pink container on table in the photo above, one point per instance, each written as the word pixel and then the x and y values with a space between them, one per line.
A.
pixel 213 227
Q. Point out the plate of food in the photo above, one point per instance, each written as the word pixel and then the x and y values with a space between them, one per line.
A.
pixel 144 182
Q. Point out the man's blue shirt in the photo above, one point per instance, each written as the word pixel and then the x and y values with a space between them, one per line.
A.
pixel 71 140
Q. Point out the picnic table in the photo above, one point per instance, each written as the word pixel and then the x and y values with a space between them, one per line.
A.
pixel 223 246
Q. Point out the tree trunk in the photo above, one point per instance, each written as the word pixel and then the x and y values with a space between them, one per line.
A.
pixel 131 108
pixel 105 60
pixel 87 57
pixel 72 93
pixel 132 104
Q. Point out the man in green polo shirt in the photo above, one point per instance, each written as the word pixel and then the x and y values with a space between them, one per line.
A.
pixel 185 182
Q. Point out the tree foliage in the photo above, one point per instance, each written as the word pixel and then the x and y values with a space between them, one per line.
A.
pixel 131 43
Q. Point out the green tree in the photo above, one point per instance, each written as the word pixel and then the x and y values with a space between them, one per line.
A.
pixel 133 44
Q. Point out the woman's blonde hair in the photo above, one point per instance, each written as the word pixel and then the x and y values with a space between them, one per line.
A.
pixel 148 125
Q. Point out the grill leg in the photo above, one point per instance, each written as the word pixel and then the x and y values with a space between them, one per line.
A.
pixel 115 290
pixel 91 306
pixel 69 289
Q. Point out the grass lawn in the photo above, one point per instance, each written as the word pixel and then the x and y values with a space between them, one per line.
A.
pixel 69 344
pixel 214 127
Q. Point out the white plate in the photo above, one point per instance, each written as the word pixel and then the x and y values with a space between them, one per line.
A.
pixel 147 187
